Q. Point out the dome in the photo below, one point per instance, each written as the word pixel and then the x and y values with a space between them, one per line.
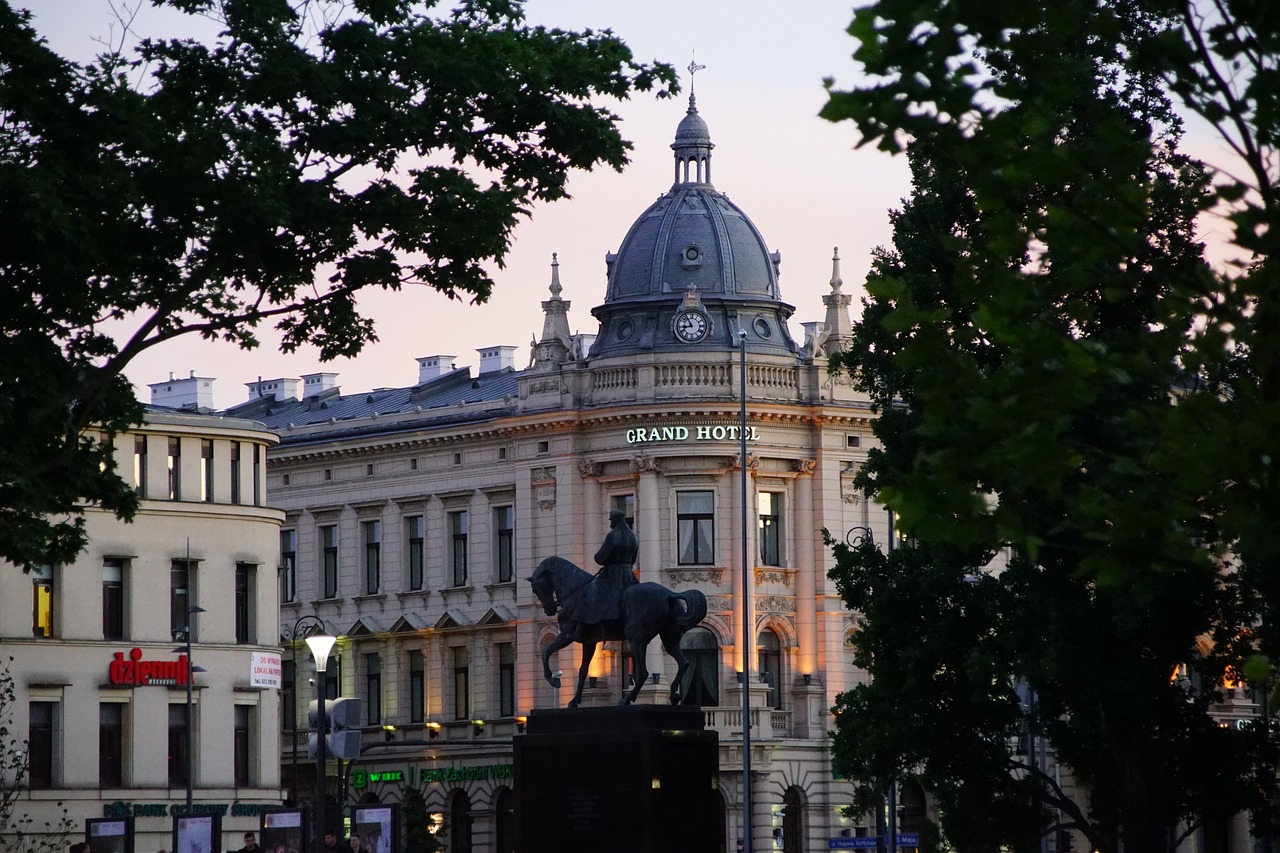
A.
pixel 692 237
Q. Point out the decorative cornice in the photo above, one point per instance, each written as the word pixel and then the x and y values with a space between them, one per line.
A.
pixel 774 575
pixel 701 577
pixel 753 462
pixel 776 603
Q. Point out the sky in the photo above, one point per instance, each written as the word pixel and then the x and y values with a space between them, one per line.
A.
pixel 798 177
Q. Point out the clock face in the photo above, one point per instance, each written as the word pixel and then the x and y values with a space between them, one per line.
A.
pixel 691 326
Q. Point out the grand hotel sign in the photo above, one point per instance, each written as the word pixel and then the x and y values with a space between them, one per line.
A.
pixel 647 435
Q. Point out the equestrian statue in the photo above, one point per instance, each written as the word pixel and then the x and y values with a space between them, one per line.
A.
pixel 612 605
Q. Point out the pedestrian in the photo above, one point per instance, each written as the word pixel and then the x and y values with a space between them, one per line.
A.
pixel 250 844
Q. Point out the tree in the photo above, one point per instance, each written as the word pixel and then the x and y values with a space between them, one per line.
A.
pixel 418 837
pixel 17 830
pixel 308 152
pixel 1062 380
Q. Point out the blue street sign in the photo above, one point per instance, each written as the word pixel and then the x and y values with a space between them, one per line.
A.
pixel 908 839
pixel 851 843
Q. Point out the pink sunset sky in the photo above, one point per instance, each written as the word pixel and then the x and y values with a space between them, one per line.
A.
pixel 798 177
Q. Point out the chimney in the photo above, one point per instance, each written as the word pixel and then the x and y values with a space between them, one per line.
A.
pixel 277 389
pixel 434 366
pixel 193 392
pixel 494 359
pixel 316 383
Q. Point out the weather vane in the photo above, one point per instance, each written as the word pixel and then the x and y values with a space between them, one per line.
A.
pixel 694 68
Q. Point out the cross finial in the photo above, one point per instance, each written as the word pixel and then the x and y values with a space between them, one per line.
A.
pixel 694 68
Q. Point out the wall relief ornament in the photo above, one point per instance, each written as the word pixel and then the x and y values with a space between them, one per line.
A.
pixel 695 576
pixel 721 603
pixel 641 464
pixel 806 466
pixel 776 603
pixel 587 468
pixel 753 463
pixel 774 575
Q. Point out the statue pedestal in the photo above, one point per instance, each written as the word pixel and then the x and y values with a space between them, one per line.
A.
pixel 631 779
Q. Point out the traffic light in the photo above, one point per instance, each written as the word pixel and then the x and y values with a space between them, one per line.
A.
pixel 341 728
pixel 344 730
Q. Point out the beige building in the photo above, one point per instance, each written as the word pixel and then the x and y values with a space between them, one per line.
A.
pixel 415 514
pixel 99 651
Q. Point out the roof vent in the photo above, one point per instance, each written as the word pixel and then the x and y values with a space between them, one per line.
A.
pixel 277 389
pixel 494 359
pixel 433 366
pixel 317 383
pixel 192 392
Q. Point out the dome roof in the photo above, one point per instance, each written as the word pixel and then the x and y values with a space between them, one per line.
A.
pixel 692 236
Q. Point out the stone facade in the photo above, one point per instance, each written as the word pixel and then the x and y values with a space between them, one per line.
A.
pixel 109 739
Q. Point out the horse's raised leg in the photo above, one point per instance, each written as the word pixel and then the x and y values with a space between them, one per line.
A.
pixel 588 652
pixel 671 642
pixel 554 646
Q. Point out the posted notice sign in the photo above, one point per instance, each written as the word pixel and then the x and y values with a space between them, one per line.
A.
pixel 265 670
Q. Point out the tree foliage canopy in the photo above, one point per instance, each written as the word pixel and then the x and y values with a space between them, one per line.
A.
pixel 1062 380
pixel 268 175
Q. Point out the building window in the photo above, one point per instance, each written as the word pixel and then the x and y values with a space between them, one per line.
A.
pixel 206 470
pixel 417 685
pixel 372 557
pixel 695 527
pixel 333 678
pixel 140 465
pixel 40 738
pixel 240 740
pixel 289 695
pixel 42 601
pixel 505 821
pixel 625 504
pixel 544 447
pixel 373 688
pixel 112 599
pixel 458 555
pixel 461 683
pixel 329 559
pixel 701 683
pixel 235 472
pixel 459 826
pixel 181 598
pixel 179 758
pixel 257 475
pixel 770 666
pixel 770 512
pixel 245 603
pixel 175 468
pixel 504 524
pixel 288 565
pixel 506 680
pixel 111 745
pixel 413 528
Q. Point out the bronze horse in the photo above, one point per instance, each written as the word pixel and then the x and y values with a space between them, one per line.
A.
pixel 648 610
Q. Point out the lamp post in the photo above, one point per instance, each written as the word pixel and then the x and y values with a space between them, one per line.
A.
pixel 185 649
pixel 306 626
pixel 320 645
pixel 748 610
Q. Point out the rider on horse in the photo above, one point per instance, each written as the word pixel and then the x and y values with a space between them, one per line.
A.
pixel 601 599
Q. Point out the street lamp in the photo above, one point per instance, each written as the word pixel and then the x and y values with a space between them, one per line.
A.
pixel 320 645
pixel 306 626
pixel 191 723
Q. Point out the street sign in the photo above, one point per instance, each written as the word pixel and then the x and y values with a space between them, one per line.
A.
pixel 908 839
pixel 851 843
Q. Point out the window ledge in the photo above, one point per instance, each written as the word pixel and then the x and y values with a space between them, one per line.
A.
pixel 501 585
pixel 413 593
pixel 372 596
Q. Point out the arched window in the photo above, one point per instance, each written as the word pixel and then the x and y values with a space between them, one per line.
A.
pixel 459 826
pixel 701 683
pixel 793 828
pixel 504 816
pixel 770 665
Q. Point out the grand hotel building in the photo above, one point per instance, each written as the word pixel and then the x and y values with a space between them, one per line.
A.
pixel 413 516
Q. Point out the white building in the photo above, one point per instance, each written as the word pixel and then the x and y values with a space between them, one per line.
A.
pixel 101 681
pixel 414 515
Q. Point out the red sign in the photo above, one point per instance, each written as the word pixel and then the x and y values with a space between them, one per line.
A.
pixel 135 670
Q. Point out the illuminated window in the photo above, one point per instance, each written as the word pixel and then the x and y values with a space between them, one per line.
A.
pixel 770 515
pixel 42 601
